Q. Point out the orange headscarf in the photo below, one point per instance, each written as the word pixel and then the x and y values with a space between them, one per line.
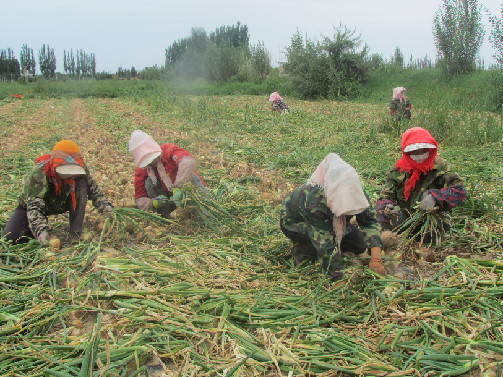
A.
pixel 65 152
pixel 416 169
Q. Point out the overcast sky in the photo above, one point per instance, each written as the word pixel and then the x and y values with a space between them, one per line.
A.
pixel 135 33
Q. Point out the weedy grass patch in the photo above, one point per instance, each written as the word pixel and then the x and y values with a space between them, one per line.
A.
pixel 194 296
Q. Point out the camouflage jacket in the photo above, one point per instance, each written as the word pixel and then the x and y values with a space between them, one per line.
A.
pixel 279 105
pixel 40 199
pixel 445 186
pixel 307 203
pixel 400 109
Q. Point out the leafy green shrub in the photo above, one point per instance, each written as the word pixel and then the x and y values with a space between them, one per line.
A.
pixel 333 68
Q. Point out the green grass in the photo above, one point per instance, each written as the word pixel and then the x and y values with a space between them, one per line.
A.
pixel 138 88
pixel 427 88
pixel 82 88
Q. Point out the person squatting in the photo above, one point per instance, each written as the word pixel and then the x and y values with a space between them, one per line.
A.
pixel 59 183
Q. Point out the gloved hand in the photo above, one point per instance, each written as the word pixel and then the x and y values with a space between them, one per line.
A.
pixel 178 197
pixel 108 210
pixel 427 203
pixel 163 205
pixel 44 237
pixel 375 263
pixel 390 209
pixel 377 266
pixel 159 201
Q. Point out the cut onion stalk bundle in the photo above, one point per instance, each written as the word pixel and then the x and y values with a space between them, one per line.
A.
pixel 130 221
pixel 425 227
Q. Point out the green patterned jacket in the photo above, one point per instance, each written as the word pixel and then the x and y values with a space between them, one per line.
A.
pixel 40 199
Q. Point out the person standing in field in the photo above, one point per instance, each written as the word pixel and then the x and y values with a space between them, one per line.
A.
pixel 59 183
pixel 316 217
pixel 400 106
pixel 419 178
pixel 277 103
pixel 159 169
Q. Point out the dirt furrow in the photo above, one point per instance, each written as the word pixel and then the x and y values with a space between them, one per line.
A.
pixel 109 164
pixel 30 127
pixel 9 108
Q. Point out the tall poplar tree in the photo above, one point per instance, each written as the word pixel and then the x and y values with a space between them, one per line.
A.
pixel 458 32
pixel 496 37
pixel 47 61
pixel 27 60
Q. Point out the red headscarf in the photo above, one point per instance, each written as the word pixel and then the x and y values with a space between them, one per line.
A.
pixel 64 152
pixel 416 169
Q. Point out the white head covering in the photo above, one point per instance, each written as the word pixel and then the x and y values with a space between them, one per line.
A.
pixel 275 97
pixel 144 148
pixel 399 93
pixel 342 188
pixel 341 184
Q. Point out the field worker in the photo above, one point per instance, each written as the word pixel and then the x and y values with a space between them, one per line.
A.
pixel 400 107
pixel 277 103
pixel 59 183
pixel 159 169
pixel 420 177
pixel 316 217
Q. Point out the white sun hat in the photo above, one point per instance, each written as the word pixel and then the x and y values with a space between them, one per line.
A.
pixel 416 146
pixel 146 160
pixel 70 169
pixel 143 148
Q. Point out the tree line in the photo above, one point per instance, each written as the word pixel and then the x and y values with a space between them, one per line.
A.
pixel 9 65
pixel 78 65
pixel 335 66
pixel 218 56
pixel 339 66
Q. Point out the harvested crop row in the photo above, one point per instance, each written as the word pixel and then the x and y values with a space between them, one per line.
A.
pixel 192 299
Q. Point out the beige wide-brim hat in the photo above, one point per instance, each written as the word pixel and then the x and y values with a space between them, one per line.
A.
pixel 146 160
pixel 70 169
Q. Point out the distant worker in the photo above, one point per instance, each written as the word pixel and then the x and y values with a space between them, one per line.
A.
pixel 316 217
pixel 59 183
pixel 277 103
pixel 400 106
pixel 160 168
pixel 420 177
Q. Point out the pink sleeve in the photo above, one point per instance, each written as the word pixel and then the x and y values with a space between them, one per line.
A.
pixel 186 168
